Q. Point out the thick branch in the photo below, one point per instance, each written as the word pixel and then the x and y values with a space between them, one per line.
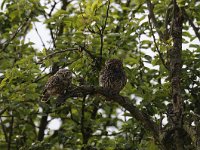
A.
pixel 42 127
pixel 176 61
pixel 123 101
pixel 175 69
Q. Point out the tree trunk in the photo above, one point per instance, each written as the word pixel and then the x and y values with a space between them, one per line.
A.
pixel 175 72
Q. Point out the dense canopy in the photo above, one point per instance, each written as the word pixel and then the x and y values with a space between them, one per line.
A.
pixel 158 43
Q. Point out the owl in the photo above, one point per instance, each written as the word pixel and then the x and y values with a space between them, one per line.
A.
pixel 113 76
pixel 57 84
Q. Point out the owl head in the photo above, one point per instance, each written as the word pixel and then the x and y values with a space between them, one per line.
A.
pixel 64 73
pixel 114 64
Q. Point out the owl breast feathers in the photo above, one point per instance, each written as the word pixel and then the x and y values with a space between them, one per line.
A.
pixel 113 76
pixel 57 83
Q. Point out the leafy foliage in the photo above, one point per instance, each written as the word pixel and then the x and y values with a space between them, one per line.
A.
pixel 83 35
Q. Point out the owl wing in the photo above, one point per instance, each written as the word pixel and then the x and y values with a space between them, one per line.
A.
pixel 51 87
pixel 67 79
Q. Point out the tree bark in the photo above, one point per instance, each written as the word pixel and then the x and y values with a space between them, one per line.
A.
pixel 175 73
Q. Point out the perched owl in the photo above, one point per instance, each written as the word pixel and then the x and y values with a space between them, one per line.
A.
pixel 113 76
pixel 57 83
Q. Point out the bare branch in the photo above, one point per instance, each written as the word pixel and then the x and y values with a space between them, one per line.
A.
pixel 39 36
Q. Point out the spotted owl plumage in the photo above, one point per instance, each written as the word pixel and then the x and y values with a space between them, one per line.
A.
pixel 113 76
pixel 57 83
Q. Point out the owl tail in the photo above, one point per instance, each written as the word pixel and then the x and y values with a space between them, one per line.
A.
pixel 45 97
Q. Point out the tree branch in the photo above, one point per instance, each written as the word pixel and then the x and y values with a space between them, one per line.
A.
pixel 7 42
pixel 57 52
pixel 176 61
pixel 85 136
pixel 51 31
pixel 196 30
pixel 175 73
pixel 52 8
pixel 102 32
pixel 42 127
pixel 10 132
pixel 157 49
pixel 4 130
pixel 2 111
pixel 122 101
pixel 39 36
pixel 153 18
pixel 83 48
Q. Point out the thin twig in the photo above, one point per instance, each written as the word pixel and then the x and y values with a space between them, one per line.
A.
pixel 167 22
pixel 98 29
pixel 4 129
pixel 58 52
pixel 102 32
pixel 91 30
pixel 112 134
pixel 196 30
pixel 40 78
pixel 153 18
pixel 157 49
pixel 107 14
pixel 195 114
pixel 7 43
pixel 51 31
pixel 2 111
pixel 88 52
pixel 52 8
pixel 84 135
pixel 39 36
